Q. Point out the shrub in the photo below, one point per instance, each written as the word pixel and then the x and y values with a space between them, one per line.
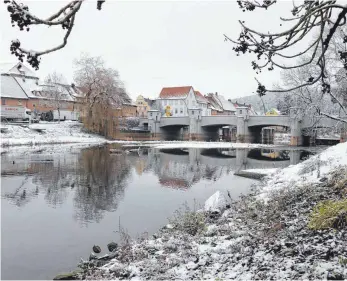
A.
pixel 189 221
pixel 338 178
pixel 329 214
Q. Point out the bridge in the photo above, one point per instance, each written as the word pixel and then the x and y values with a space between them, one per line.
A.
pixel 248 127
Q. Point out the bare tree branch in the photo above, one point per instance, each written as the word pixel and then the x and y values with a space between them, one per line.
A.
pixel 24 19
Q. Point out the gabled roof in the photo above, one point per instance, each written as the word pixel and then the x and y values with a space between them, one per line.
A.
pixel 226 105
pixel 27 84
pixel 175 92
pixel 200 98
pixel 16 68
pixel 11 89
pixel 213 103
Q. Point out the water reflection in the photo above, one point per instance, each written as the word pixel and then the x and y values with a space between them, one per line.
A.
pixel 97 179
pixel 61 202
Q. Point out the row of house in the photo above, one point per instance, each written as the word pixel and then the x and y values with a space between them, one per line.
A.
pixel 20 86
pixel 175 101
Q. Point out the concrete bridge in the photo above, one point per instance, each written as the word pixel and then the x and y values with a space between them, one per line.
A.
pixel 248 127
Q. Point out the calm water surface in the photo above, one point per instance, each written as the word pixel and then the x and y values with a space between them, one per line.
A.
pixel 57 202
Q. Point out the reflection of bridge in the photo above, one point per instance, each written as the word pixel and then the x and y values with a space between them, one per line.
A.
pixel 248 126
pixel 181 170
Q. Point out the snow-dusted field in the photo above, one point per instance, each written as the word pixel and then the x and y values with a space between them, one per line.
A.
pixel 54 133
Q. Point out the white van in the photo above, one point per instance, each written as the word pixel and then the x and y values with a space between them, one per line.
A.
pixel 15 113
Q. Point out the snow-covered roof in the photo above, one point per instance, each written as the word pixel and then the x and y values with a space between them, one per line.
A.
pixel 27 84
pixel 200 98
pixel 10 88
pixel 16 68
pixel 54 90
pixel 226 105
pixel 213 103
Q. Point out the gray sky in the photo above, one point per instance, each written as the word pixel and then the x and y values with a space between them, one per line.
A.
pixel 153 44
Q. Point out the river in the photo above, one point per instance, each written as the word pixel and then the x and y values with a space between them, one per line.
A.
pixel 59 201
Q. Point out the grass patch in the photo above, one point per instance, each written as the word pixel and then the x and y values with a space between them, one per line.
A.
pixel 188 220
pixel 329 214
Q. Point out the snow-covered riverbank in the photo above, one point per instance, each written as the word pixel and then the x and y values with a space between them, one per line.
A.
pixel 47 133
pixel 72 132
pixel 264 235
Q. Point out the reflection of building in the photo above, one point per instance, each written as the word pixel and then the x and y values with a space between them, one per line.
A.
pixel 140 166
pixel 181 169
pixel 175 183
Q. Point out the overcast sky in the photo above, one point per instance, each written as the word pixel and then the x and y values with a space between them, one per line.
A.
pixel 153 44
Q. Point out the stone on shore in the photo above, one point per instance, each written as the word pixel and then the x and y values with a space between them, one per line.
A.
pixel 217 202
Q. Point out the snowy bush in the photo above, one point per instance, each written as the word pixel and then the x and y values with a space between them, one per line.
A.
pixel 329 214
pixel 132 122
pixel 189 221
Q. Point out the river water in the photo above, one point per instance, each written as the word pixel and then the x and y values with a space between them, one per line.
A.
pixel 59 201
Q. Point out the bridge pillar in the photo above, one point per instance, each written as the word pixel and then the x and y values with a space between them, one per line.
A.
pixel 243 134
pixel 195 115
pixel 296 138
pixel 154 117
pixel 241 159
pixel 343 135
pixel 294 156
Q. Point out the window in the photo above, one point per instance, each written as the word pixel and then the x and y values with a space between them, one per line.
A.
pixel 151 114
pixel 240 111
pixel 176 111
pixel 3 102
pixel 181 110
pixel 19 102
pixel 193 112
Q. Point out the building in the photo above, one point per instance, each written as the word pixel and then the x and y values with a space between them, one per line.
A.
pixel 273 112
pixel 250 107
pixel 175 101
pixel 143 105
pixel 17 82
pixel 129 109
pixel 21 87
pixel 220 105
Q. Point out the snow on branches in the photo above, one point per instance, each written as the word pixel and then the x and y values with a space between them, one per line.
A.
pixel 318 18
pixel 22 17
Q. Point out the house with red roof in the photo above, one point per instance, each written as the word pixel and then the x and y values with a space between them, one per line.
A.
pixel 175 101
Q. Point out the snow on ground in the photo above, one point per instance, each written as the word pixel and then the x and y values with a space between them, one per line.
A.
pixel 307 172
pixel 253 239
pixel 71 132
pixel 261 171
pixel 54 133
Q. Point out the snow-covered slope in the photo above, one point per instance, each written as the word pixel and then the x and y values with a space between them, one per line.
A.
pixel 63 132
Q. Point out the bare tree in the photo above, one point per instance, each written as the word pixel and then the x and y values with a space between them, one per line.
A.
pixel 320 19
pixel 103 92
pixel 24 19
pixel 55 91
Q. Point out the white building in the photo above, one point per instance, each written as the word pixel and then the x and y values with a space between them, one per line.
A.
pixel 175 101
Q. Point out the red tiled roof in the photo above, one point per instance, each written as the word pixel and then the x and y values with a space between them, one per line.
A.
pixel 200 97
pixel 170 92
